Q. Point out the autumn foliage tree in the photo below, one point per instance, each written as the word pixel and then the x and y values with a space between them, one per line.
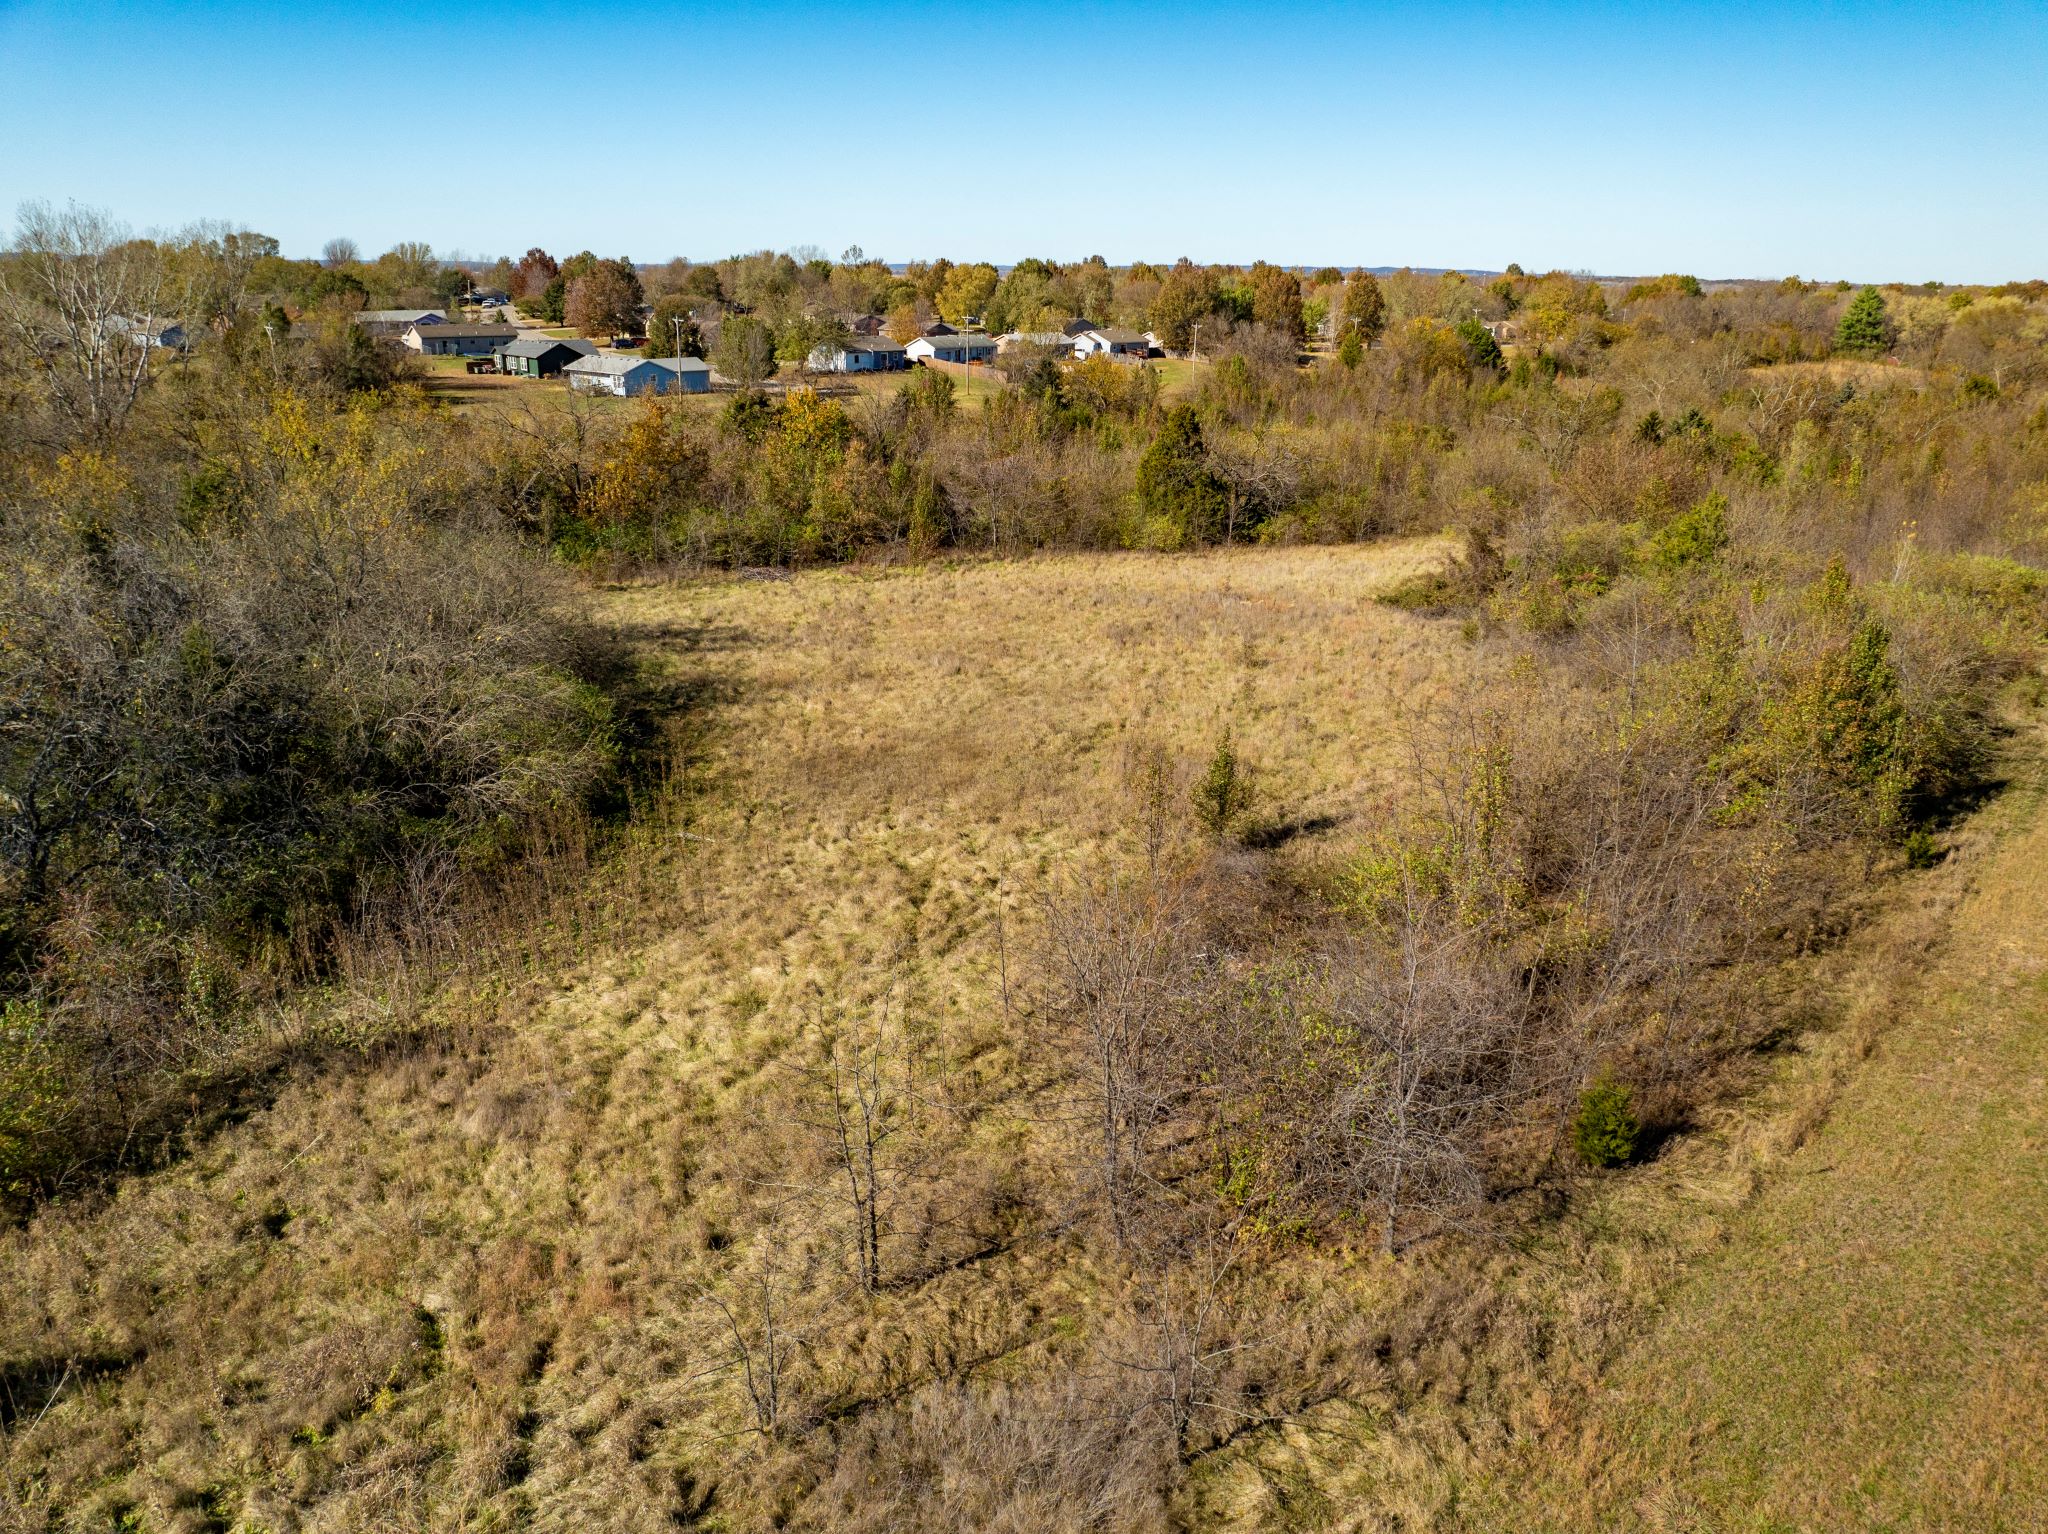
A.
pixel 1186 297
pixel 605 300
pixel 1276 302
pixel 536 269
pixel 1365 307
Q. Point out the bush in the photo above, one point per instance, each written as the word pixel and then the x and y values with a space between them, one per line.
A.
pixel 1223 796
pixel 1176 487
pixel 1605 1131
pixel 1694 537
pixel 232 726
pixel 1921 849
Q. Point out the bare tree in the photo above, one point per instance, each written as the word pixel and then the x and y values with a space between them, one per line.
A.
pixel 1178 1347
pixel 81 290
pixel 763 1348
pixel 340 251
pixel 1124 957
pixel 856 1101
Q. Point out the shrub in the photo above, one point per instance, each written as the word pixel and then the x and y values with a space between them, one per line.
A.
pixel 1921 849
pixel 1694 537
pixel 1605 1131
pixel 1223 796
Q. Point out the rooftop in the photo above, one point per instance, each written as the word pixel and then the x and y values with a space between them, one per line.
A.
pixel 540 346
pixel 478 332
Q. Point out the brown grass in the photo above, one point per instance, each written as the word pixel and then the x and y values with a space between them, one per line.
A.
pixel 466 1281
pixel 462 1284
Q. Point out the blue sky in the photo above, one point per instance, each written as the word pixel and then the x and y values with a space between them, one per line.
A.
pixel 1860 141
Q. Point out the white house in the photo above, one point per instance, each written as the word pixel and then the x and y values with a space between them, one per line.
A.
pixel 1051 340
pixel 147 333
pixel 612 373
pixel 396 322
pixel 1111 343
pixel 458 340
pixel 859 354
pixel 970 347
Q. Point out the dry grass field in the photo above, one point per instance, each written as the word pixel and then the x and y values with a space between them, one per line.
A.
pixel 463 1286
pixel 470 1279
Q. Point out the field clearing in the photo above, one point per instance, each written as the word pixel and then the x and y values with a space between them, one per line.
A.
pixel 508 1238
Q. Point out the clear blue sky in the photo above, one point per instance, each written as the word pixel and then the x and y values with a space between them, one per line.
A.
pixel 1902 141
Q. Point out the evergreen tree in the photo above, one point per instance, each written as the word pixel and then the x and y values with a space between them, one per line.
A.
pixel 1175 483
pixel 1606 1130
pixel 1480 345
pixel 1866 326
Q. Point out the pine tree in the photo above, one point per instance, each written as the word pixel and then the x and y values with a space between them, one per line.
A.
pixel 1866 326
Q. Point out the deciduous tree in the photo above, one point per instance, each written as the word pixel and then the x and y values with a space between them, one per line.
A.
pixel 1365 307
pixel 604 299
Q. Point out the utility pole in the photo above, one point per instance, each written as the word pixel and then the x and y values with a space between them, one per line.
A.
pixel 1195 351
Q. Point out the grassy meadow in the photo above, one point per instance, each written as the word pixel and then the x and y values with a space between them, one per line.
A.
pixel 508 1235
pixel 1416 934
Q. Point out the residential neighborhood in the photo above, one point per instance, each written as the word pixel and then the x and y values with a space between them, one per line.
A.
pixel 499 345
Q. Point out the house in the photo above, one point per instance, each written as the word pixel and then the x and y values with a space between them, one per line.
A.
pixel 396 322
pixel 866 325
pixel 971 347
pixel 458 340
pixel 940 328
pixel 147 333
pixel 540 356
pixel 487 298
pixel 859 354
pixel 1050 340
pixel 1076 327
pixel 1111 343
pixel 607 373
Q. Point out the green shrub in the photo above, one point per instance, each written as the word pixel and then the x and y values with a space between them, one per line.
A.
pixel 1223 797
pixel 1176 486
pixel 35 1096
pixel 1605 1131
pixel 1921 849
pixel 1694 537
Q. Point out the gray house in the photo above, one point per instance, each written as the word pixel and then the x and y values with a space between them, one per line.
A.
pixel 859 354
pixel 972 346
pixel 609 373
pixel 540 356
pixel 1111 343
pixel 458 340
pixel 396 322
